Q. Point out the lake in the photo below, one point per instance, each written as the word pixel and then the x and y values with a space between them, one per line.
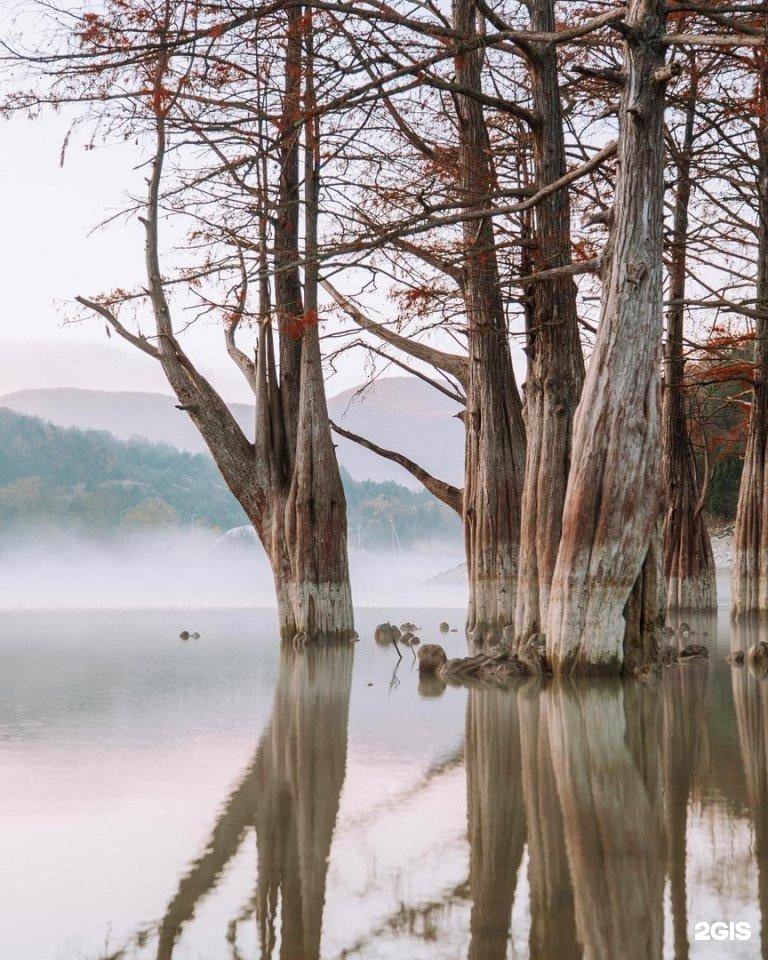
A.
pixel 221 798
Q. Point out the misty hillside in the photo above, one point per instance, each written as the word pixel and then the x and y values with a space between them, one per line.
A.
pixel 399 412
pixel 90 482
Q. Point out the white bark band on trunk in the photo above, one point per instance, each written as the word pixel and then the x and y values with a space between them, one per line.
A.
pixel 315 611
pixel 697 591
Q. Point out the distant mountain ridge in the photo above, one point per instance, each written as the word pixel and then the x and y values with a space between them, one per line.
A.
pixel 401 413
pixel 90 482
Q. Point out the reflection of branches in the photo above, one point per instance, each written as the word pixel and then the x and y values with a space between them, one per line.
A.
pixel 418 920
pixel 290 793
pixel 438 769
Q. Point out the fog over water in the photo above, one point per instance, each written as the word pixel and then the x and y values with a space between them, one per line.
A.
pixel 190 569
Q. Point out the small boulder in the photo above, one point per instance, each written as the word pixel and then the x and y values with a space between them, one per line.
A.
pixel 737 658
pixel 431 686
pixel 431 658
pixel 691 650
pixel 184 635
pixel 386 633
pixel 757 656
pixel 444 627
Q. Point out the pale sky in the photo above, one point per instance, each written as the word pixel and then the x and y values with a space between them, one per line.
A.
pixel 50 253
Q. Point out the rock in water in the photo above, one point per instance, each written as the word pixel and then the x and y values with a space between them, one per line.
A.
pixel 694 651
pixel 757 656
pixel 184 635
pixel 431 658
pixel 386 633
pixel 444 628
pixel 737 658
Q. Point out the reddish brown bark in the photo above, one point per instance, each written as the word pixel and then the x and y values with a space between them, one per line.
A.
pixel 689 566
pixel 287 480
pixel 495 434
pixel 556 365
pixel 749 583
pixel 613 495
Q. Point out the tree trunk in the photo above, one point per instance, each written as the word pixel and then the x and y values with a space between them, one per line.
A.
pixel 749 584
pixel 309 530
pixel 495 434
pixel 689 566
pixel 556 365
pixel 612 499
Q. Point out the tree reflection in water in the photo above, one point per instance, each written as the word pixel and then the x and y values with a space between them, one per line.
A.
pixel 750 698
pixel 290 794
pixel 594 780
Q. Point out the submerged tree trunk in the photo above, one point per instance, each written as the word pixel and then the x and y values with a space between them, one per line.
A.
pixel 556 365
pixel 495 435
pixel 287 480
pixel 749 584
pixel 689 566
pixel 612 499
pixel 315 511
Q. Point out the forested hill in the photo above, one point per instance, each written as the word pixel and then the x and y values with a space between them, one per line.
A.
pixel 90 482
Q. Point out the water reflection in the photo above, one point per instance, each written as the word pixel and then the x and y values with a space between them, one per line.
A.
pixel 585 821
pixel 594 781
pixel 685 692
pixel 495 817
pixel 290 795
pixel 604 747
pixel 553 924
pixel 750 698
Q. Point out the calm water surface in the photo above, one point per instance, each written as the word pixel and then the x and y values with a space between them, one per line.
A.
pixel 221 800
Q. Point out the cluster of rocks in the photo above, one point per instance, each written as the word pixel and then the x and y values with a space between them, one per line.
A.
pixel 682 645
pixel 498 663
pixel 387 633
